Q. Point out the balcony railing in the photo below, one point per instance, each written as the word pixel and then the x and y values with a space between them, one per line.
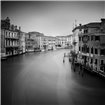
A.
pixel 8 46
pixel 7 37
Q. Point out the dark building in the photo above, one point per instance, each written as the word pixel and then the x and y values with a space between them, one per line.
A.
pixel 9 38
pixel 92 46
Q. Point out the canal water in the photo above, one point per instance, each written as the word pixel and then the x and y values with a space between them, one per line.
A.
pixel 41 78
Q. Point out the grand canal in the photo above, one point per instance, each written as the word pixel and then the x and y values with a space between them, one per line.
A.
pixel 43 79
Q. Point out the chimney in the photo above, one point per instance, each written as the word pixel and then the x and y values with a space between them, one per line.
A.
pixel 19 28
pixel 12 27
pixel 15 27
pixel 8 20
pixel 80 27
pixel 103 20
pixel 103 25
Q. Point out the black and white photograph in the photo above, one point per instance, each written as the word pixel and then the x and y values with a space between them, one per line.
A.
pixel 52 52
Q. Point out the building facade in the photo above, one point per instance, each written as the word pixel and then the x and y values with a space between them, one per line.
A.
pixel 64 41
pixel 29 42
pixel 34 41
pixel 51 43
pixel 92 46
pixel 70 40
pixel 9 38
pixel 22 44
pixel 75 38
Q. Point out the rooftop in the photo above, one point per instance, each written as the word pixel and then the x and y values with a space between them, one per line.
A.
pixel 90 25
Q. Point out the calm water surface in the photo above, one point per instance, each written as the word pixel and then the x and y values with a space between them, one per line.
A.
pixel 43 79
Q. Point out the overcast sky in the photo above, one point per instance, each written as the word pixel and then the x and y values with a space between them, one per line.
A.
pixel 52 17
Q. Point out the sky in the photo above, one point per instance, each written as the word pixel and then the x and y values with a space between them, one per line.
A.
pixel 53 18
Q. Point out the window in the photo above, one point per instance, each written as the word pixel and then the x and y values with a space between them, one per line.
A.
pixel 6 34
pixel 96 61
pixel 91 37
pixel 79 48
pixel 82 49
pixel 102 52
pixel 92 50
pixel 91 61
pixel 85 31
pixel 9 34
pixel 79 38
pixel 97 38
pixel 88 38
pixel 102 62
pixel 87 49
pixel 96 51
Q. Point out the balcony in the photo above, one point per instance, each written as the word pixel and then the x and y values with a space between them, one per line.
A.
pixel 8 37
pixel 11 46
pixel 85 54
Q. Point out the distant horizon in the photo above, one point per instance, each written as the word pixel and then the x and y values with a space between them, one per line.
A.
pixel 52 18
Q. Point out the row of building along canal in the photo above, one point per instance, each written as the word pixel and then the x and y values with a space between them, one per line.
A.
pixel 15 42
pixel 42 78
